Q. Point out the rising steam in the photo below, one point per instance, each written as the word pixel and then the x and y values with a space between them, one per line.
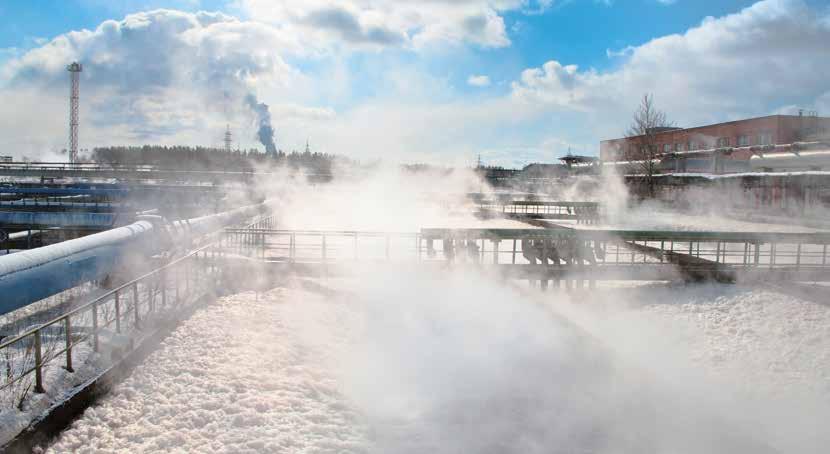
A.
pixel 265 132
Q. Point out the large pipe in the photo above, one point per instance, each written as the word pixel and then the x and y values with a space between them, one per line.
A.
pixel 32 275
pixel 29 276
pixel 26 203
pixel 57 219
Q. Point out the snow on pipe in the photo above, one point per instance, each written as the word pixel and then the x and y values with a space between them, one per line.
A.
pixel 23 234
pixel 211 223
pixel 29 276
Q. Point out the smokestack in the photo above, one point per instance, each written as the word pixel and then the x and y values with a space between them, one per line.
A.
pixel 265 133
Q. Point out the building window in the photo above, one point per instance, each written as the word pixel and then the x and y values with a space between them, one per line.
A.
pixel 690 146
pixel 666 148
pixel 743 141
pixel 723 142
pixel 678 147
pixel 765 139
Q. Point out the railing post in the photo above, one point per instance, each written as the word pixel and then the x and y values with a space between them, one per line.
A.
pixel 38 365
pixel 135 305
pixel 150 298
pixel 176 285
pixel 798 257
pixel 324 248
pixel 68 345
pixel 117 313
pixel 163 279
pixel 187 272
pixel 292 247
pixel 95 327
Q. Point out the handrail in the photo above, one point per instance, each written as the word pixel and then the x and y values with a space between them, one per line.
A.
pixel 101 298
pixel 318 232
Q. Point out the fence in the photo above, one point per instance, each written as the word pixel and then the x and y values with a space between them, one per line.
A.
pixel 320 246
pixel 27 359
pixel 607 254
pixel 583 212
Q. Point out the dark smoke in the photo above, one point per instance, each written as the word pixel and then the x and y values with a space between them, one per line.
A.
pixel 265 131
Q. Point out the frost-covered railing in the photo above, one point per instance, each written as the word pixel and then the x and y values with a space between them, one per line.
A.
pixel 45 353
pixel 604 254
pixel 320 246
pixel 588 212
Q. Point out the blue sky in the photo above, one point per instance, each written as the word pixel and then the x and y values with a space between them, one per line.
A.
pixel 576 31
pixel 513 80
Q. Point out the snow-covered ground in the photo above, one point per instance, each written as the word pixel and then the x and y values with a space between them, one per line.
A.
pixel 451 363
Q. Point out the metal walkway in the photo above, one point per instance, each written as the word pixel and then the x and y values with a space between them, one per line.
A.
pixel 552 254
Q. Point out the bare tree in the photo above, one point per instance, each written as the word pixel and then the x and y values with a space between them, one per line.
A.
pixel 643 147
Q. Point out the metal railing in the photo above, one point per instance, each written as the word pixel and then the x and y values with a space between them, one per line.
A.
pixel 549 247
pixel 320 246
pixel 588 212
pixel 748 249
pixel 125 309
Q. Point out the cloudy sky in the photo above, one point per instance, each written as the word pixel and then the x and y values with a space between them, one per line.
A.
pixel 439 81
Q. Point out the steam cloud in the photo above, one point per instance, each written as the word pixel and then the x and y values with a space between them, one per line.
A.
pixel 265 133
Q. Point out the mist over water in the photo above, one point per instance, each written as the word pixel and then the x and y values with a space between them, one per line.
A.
pixel 458 359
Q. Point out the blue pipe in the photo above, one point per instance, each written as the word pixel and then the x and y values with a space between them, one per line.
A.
pixel 29 276
pixel 57 219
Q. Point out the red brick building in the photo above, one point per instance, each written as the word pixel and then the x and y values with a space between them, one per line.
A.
pixel 770 130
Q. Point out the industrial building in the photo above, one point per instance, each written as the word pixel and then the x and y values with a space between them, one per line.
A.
pixel 761 131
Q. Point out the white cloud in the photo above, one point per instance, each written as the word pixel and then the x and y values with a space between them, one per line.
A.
pixel 172 77
pixel 771 54
pixel 624 52
pixel 384 23
pixel 161 76
pixel 479 81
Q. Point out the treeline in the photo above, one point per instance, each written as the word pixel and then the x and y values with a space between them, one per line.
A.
pixel 216 159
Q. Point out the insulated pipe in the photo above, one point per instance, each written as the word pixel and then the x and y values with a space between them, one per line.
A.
pixel 57 219
pixel 32 275
pixel 29 276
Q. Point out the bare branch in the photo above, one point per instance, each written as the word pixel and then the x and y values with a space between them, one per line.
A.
pixel 647 122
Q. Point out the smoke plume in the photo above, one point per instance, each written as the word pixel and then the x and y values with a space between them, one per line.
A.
pixel 265 133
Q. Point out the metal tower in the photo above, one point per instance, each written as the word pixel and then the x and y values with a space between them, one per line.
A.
pixel 228 138
pixel 74 73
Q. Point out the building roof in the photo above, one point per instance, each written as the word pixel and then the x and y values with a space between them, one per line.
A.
pixel 575 159
pixel 675 129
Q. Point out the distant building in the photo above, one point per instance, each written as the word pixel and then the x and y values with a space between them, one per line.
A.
pixel 770 130
pixel 6 159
